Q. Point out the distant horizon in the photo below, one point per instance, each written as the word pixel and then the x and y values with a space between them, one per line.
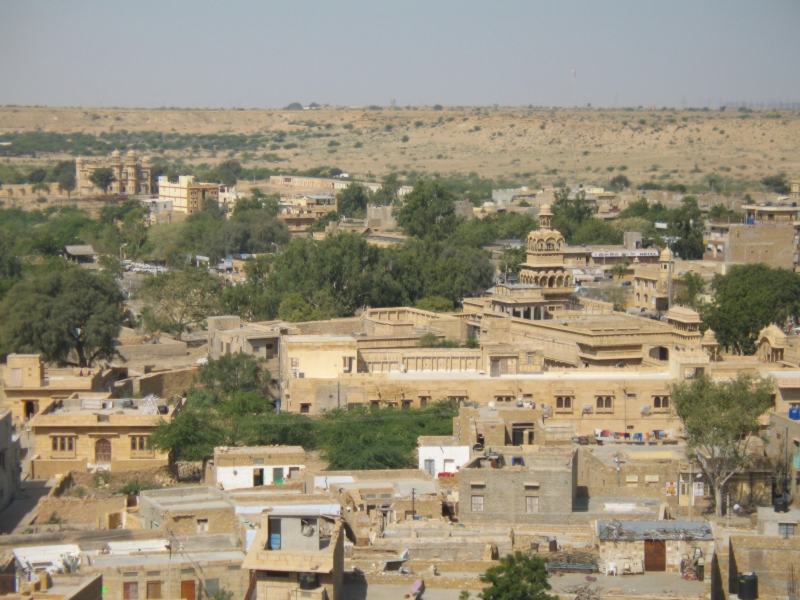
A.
pixel 246 53
pixel 754 106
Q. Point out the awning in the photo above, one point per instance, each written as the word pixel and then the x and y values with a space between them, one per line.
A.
pixel 531 484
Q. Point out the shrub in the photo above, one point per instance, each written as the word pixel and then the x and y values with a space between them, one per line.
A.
pixel 75 492
pixel 134 486
pixel 101 478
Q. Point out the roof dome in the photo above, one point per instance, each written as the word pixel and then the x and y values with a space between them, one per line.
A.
pixel 115 153
pixel 131 153
pixel 709 337
pixel 666 254
pixel 545 210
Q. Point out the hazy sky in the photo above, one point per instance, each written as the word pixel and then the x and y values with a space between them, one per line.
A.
pixel 352 52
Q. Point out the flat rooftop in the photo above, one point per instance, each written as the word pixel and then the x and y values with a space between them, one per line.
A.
pixel 639 455
pixel 247 450
pixel 320 338
pixel 137 561
pixel 578 375
pixel 102 405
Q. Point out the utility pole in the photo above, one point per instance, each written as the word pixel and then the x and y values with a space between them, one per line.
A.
pixel 413 501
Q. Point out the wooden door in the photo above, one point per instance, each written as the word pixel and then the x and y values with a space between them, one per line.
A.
pixel 655 555
pixel 188 590
pixel 102 451
pixel 153 590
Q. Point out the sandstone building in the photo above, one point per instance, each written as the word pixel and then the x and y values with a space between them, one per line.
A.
pixel 93 430
pixel 297 553
pixel 133 174
pixel 10 455
pixel 28 387
pixel 185 194
pixel 255 466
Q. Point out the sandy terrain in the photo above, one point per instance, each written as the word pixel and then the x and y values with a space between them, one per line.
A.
pixel 541 143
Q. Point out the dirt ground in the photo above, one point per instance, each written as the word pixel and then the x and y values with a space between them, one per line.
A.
pixel 579 144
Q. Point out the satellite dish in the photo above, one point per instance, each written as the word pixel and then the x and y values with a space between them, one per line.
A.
pixel 491 404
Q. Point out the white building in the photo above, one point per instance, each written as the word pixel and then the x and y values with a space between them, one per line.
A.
pixel 237 468
pixel 441 454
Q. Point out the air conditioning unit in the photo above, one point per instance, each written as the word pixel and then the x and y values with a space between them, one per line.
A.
pixel 646 409
pixel 547 411
pixel 301 375
pixel 587 408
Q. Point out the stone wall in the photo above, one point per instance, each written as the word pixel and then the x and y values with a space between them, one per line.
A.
pixel 165 384
pixel 73 511
pixel 187 522
pixel 505 491
pixel 165 348
pixel 346 326
pixel 597 479
pixel 45 469
pixel 771 558
pixel 228 573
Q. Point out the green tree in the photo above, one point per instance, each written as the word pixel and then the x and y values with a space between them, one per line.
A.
pixel 281 429
pixel 720 211
pixel 379 438
pixel 619 183
pixel 519 576
pixel 10 267
pixel 294 308
pixel 686 224
pixel 435 304
pixel 619 269
pixel 192 435
pixel 776 183
pixel 429 211
pixel 595 231
pixel 570 213
pixel 387 194
pixel 258 200
pixel 721 424
pixel 71 316
pixel 67 182
pixel 58 169
pixel 747 299
pixel 232 373
pixel 103 178
pixel 352 201
pixel 37 176
pixel 321 223
pixel 692 286
pixel 175 301
pixel 228 172
pixel 512 258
